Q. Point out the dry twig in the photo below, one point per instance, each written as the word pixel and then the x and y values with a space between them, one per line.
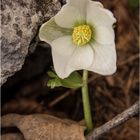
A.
pixel 119 119
pixel 132 58
pixel 61 97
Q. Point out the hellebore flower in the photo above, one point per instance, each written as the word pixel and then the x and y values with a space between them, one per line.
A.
pixel 82 37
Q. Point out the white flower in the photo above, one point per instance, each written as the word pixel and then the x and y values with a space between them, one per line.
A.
pixel 82 37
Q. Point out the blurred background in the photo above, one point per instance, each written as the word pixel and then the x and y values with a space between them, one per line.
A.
pixel 27 93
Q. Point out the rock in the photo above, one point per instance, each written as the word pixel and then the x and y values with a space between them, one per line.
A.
pixel 19 23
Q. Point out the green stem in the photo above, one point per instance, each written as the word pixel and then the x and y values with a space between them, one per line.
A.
pixel 86 104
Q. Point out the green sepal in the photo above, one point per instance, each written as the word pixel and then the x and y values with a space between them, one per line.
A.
pixel 73 81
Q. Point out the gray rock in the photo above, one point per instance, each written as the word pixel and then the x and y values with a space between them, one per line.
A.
pixel 20 20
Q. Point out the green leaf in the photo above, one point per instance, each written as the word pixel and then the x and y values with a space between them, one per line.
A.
pixel 54 83
pixel 133 3
pixel 73 81
pixel 52 74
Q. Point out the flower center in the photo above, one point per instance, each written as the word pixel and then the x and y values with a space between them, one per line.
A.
pixel 81 35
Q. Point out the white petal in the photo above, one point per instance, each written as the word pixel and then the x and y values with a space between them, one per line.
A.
pixel 98 4
pixel 104 59
pixel 68 16
pixel 81 5
pixel 63 46
pixel 104 35
pixel 68 58
pixel 50 31
pixel 60 63
pixel 98 15
pixel 82 58
pixel 62 50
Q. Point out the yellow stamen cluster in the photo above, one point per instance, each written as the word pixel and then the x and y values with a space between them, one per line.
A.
pixel 81 35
